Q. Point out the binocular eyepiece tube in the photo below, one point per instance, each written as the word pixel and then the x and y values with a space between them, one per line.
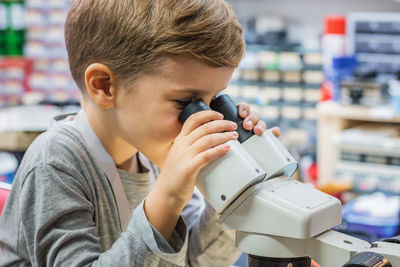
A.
pixel 224 105
pixel 194 107
pixel 224 179
pixel 251 159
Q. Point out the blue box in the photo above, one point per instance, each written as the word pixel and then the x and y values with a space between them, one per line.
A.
pixel 382 227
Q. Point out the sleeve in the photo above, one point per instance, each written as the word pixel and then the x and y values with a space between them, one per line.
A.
pixel 59 230
pixel 209 244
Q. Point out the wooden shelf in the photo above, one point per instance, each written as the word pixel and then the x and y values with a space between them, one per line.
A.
pixel 332 119
pixel 17 141
pixel 355 112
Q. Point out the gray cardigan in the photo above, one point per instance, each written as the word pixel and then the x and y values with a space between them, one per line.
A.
pixel 62 212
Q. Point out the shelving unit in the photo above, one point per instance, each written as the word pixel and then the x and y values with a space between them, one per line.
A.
pixel 45 46
pixel 282 86
pixel 332 119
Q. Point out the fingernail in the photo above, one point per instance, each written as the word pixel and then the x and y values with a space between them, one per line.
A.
pixel 220 116
pixel 235 134
pixel 234 125
pixel 227 146
pixel 249 123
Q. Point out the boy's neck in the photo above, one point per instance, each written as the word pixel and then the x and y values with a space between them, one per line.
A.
pixel 120 150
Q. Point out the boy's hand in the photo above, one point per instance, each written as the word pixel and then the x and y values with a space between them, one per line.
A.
pixel 202 139
pixel 251 121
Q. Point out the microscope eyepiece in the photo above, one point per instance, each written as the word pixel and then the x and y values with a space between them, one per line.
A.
pixel 224 104
pixel 195 106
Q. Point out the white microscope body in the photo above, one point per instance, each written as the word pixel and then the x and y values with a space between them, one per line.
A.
pixel 274 215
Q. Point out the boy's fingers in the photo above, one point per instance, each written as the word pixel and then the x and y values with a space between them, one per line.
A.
pixel 244 109
pixel 250 121
pixel 314 264
pixel 210 155
pixel 276 131
pixel 260 128
pixel 212 140
pixel 199 118
pixel 211 127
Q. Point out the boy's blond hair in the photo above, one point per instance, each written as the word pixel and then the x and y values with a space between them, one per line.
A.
pixel 132 37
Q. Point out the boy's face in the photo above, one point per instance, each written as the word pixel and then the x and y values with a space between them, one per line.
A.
pixel 147 116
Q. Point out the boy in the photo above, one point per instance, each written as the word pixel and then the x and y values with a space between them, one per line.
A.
pixel 88 191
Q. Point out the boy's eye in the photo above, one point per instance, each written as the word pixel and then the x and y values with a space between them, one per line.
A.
pixel 182 103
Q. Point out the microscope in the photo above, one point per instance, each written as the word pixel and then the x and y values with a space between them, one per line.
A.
pixel 279 221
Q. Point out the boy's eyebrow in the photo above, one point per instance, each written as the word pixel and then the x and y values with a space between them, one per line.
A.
pixel 193 91
pixel 188 90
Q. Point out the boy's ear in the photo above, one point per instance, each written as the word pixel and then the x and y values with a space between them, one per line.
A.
pixel 99 81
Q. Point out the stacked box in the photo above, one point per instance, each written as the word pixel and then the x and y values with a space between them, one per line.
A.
pixel 368 156
pixel 46 47
pixel 282 85
pixel 14 79
pixel 374 38
pixel 12 27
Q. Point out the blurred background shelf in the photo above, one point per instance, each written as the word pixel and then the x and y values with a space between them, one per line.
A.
pixel 333 118
pixel 356 112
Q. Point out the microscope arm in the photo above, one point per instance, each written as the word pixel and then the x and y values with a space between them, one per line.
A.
pixel 332 249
